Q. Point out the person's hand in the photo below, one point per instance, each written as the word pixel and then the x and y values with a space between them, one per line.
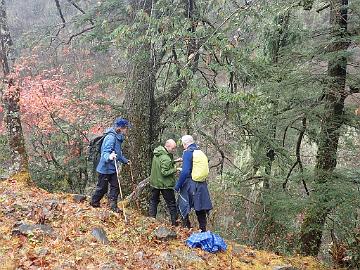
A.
pixel 178 160
pixel 112 156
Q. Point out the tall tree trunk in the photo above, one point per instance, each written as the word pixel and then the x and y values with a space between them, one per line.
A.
pixel 192 48
pixel 140 104
pixel 11 99
pixel 143 108
pixel 140 108
pixel 332 120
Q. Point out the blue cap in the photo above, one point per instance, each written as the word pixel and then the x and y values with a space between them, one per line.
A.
pixel 121 122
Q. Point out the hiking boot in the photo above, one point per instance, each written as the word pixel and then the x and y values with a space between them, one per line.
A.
pixel 95 204
pixel 186 222
pixel 174 221
pixel 114 207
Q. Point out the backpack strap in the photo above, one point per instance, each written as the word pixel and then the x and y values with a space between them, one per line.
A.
pixel 112 134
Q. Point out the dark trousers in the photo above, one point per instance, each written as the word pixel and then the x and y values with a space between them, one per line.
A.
pixel 169 197
pixel 201 217
pixel 102 187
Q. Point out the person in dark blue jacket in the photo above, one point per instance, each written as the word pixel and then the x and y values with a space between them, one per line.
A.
pixel 110 153
pixel 192 194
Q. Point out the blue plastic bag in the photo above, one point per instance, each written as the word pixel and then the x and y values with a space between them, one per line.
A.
pixel 207 241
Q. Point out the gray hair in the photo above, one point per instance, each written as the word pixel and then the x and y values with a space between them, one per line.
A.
pixel 170 142
pixel 187 139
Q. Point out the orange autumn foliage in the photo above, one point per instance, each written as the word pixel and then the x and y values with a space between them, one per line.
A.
pixel 131 245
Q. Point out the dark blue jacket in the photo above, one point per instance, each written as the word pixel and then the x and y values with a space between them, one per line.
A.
pixel 192 194
pixel 112 142
pixel 186 166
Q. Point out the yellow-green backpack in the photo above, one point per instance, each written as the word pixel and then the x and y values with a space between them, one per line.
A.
pixel 200 169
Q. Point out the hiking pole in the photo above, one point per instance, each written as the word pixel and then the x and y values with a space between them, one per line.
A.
pixel 121 194
pixel 131 174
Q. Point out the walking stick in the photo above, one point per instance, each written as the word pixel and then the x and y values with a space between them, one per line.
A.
pixel 121 194
pixel 132 176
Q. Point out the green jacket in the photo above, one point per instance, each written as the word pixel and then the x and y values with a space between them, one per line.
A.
pixel 162 169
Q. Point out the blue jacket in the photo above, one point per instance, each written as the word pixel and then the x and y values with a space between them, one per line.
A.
pixel 112 142
pixel 186 166
pixel 192 194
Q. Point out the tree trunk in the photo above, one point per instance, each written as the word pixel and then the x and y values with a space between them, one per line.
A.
pixel 140 106
pixel 192 48
pixel 143 108
pixel 11 99
pixel 332 120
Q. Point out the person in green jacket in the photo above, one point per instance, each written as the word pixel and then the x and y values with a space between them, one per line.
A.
pixel 162 179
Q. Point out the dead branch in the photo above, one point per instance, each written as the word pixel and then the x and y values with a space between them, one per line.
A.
pixel 243 197
pixel 80 9
pixel 57 3
pixel 138 189
pixel 298 158
pixel 323 8
pixel 217 146
pixel 79 33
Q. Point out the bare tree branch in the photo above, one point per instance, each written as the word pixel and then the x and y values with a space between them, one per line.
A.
pixel 323 8
pixel 60 13
pixel 217 146
pixel 286 129
pixel 243 197
pixel 80 9
pixel 57 3
pixel 79 33
pixel 138 189
pixel 298 157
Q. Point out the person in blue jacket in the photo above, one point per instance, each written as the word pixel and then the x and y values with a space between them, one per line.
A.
pixel 110 153
pixel 192 194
